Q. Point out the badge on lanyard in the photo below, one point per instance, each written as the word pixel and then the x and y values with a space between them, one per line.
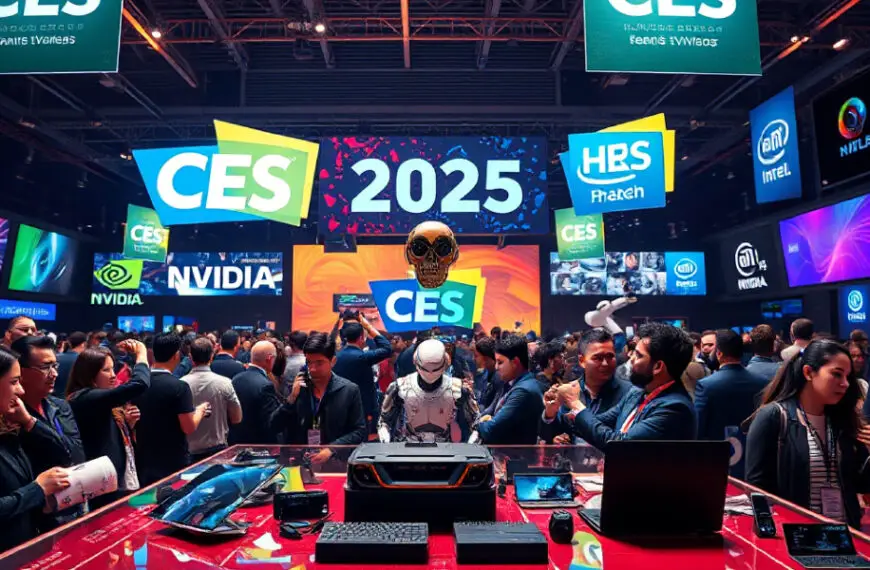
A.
pixel 832 496
pixel 832 503
pixel 314 432
pixel 314 437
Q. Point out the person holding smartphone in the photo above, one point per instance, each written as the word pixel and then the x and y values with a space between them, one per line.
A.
pixel 322 408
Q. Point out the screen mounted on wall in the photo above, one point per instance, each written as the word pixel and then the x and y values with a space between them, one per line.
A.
pixel 750 262
pixel 828 245
pixel 638 272
pixel 842 135
pixel 476 185
pixel 43 262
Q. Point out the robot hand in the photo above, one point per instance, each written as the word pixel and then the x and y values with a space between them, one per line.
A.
pixel 600 317
pixel 384 435
pixel 475 437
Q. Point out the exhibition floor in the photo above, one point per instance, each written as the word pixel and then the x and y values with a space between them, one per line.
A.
pixel 122 537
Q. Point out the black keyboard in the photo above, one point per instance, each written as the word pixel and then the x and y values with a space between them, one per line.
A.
pixel 500 543
pixel 833 561
pixel 373 543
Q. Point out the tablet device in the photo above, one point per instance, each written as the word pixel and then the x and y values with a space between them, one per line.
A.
pixel 544 491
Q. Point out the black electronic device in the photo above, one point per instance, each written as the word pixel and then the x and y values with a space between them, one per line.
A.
pixel 561 527
pixel 689 478
pixel 295 505
pixel 822 546
pixel 500 543
pixel 372 543
pixel 438 484
pixel 764 526
pixel 544 491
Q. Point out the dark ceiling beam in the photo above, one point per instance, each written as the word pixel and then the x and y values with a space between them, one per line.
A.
pixel 528 5
pixel 277 8
pixel 492 9
pixel 575 25
pixel 406 32
pixel 61 93
pixel 663 93
pixel 215 15
pixel 316 12
pixel 143 28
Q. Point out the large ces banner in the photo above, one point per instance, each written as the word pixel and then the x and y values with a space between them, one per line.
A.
pixel 476 185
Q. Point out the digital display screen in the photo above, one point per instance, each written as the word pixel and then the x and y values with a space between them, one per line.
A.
pixel 842 137
pixel 36 311
pixel 828 245
pixel 44 262
pixel 4 239
pixel 818 539
pixel 136 324
pixel 476 185
pixel 638 272
pixel 352 300
pixel 192 274
pixel 208 500
pixel 750 262
pixel 512 282
pixel 853 309
pixel 534 488
pixel 782 308
pixel 170 322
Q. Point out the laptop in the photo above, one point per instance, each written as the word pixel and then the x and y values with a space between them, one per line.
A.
pixel 662 488
pixel 822 546
pixel 544 491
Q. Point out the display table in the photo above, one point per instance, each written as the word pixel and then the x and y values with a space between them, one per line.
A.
pixel 121 536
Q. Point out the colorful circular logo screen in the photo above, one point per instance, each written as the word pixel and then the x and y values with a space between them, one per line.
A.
pixel 851 119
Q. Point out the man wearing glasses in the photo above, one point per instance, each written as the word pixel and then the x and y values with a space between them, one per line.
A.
pixel 49 433
pixel 19 327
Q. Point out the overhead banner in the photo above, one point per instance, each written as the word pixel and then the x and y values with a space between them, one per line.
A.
pixel 775 154
pixel 144 236
pixel 659 36
pixel 615 171
pixel 64 37
pixel 653 124
pixel 579 237
pixel 476 185
pixel 405 306
pixel 249 175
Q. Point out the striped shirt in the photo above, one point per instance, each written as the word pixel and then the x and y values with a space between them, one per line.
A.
pixel 818 471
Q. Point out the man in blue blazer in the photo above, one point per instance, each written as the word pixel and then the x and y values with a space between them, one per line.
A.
pixel 731 394
pixel 258 398
pixel 516 413
pixel 662 410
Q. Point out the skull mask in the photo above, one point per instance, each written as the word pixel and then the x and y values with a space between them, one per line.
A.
pixel 431 249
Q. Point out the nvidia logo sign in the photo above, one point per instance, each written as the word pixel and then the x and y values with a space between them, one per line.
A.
pixel 119 275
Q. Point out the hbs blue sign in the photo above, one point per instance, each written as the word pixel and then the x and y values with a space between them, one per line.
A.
pixel 615 171
pixel 775 154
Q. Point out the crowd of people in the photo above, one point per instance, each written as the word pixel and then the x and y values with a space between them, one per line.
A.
pixel 154 403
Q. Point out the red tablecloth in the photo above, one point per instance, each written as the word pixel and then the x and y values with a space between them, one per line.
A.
pixel 124 538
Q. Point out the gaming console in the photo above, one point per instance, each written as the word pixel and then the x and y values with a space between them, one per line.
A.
pixel 435 483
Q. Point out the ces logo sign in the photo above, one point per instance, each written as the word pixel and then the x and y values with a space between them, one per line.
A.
pixel 404 306
pixel 579 237
pixel 144 236
pixel 249 175
pixel 34 8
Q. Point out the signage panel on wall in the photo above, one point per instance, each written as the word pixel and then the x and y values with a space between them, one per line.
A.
pixel 191 274
pixel 652 124
pixel 43 262
pixel 579 237
pixel 659 36
pixel 36 311
pixel 476 185
pixel 144 236
pixel 750 263
pixel 842 141
pixel 686 273
pixel 405 306
pixel 829 244
pixel 615 171
pixel 775 154
pixel 61 37
pixel 249 175
pixel 853 308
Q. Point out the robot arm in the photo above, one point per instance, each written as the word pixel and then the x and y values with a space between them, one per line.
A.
pixel 601 316
pixel 390 412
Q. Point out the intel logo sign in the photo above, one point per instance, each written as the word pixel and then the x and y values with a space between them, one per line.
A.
pixel 772 142
pixel 855 300
pixel 685 268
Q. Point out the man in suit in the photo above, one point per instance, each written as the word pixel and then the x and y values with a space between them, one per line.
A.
pixel 762 362
pixel 730 395
pixel 660 410
pixel 258 398
pixel 516 413
pixel 224 362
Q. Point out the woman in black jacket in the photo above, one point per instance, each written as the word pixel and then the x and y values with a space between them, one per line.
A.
pixel 21 497
pixel 100 407
pixel 809 404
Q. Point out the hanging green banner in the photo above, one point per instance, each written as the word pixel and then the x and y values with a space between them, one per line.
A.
pixel 579 237
pixel 144 236
pixel 37 36
pixel 718 37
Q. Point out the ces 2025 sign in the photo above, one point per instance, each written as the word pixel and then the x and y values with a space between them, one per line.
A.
pixel 46 36
pixel 717 37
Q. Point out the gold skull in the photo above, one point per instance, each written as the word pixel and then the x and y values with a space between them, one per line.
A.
pixel 431 248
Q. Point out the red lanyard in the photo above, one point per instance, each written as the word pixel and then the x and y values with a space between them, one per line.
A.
pixel 650 397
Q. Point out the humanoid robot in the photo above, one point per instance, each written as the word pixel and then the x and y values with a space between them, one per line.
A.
pixel 601 316
pixel 422 406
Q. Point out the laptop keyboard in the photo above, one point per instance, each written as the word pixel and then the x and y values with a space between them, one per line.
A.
pixel 833 561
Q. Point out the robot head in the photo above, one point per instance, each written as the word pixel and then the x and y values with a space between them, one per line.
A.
pixel 430 359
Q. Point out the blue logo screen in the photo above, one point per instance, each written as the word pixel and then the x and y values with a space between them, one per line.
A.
pixel 686 273
pixel 775 154
pixel 36 311
pixel 853 309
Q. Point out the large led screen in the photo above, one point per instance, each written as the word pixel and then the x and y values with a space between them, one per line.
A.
pixel 842 138
pixel 828 245
pixel 44 262
pixel 750 261
pixel 638 272
pixel 512 274
pixel 191 274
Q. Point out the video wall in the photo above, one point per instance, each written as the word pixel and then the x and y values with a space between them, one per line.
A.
pixel 512 274
pixel 638 272
pixel 44 262
pixel 191 274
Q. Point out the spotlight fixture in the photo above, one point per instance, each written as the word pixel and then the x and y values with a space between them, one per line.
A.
pixel 319 27
pixel 156 34
pixel 841 44
pixel 126 156
pixel 795 39
pixel 685 157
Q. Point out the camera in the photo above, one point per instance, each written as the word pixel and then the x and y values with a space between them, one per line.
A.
pixel 350 315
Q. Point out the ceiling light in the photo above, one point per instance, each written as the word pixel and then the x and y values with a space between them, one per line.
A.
pixel 795 39
pixel 840 44
pixel 156 34
pixel 685 157
pixel 319 28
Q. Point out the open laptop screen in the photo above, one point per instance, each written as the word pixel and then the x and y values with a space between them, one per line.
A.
pixel 543 488
pixel 208 500
pixel 818 540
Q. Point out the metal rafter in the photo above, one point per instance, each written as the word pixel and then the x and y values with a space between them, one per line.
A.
pixel 216 18
pixel 406 32
pixel 316 12
pixel 492 10
pixel 575 25
pixel 140 27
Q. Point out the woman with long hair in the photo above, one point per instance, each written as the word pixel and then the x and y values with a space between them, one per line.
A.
pixel 807 443
pixel 22 496
pixel 101 409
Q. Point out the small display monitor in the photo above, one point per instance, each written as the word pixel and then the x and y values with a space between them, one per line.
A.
pixel 543 488
pixel 139 323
